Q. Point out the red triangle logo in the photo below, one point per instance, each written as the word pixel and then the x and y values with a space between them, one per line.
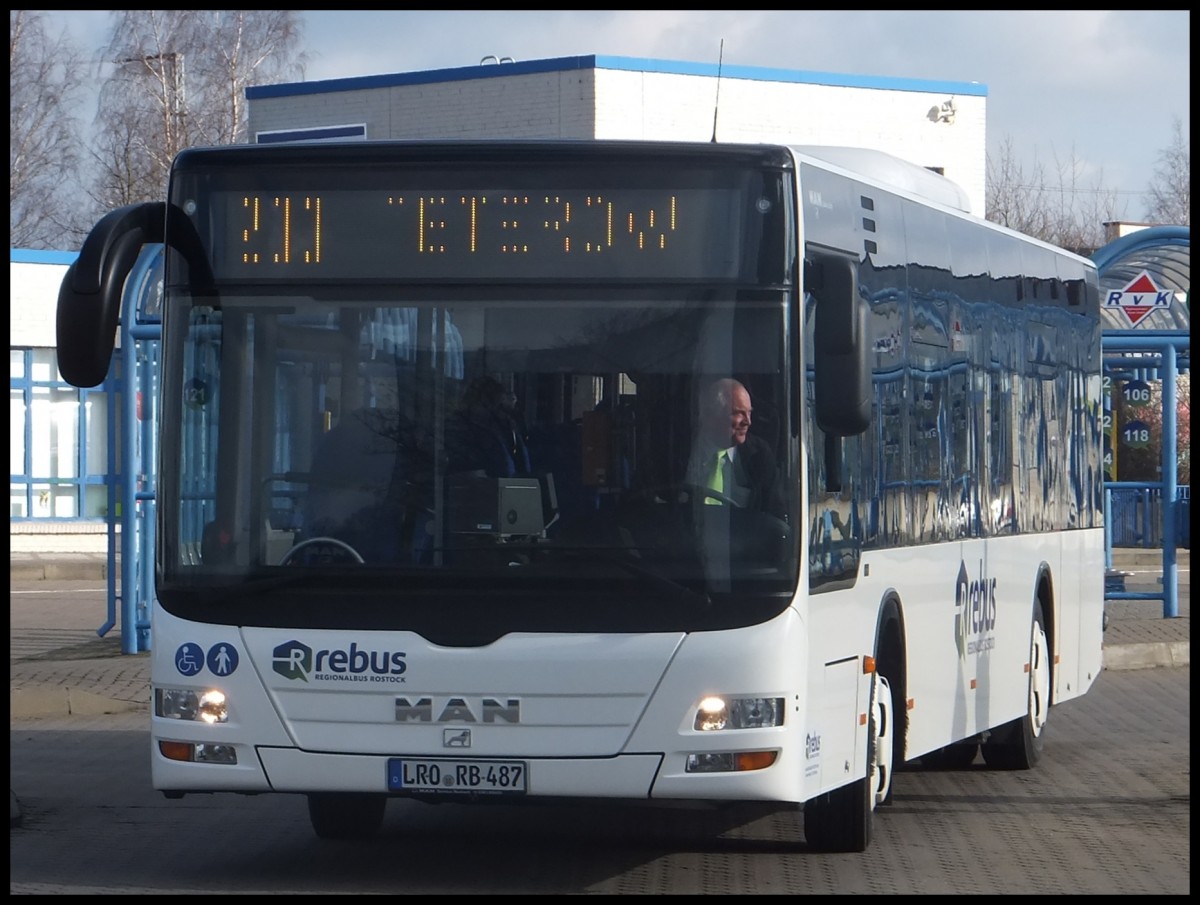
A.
pixel 1142 283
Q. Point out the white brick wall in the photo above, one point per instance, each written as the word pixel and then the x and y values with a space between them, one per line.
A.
pixel 33 301
pixel 549 105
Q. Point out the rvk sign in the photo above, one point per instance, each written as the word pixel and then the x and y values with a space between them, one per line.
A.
pixel 1139 298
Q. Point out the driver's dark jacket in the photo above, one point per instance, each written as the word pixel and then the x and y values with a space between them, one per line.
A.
pixel 754 469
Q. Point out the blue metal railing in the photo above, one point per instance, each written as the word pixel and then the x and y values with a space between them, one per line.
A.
pixel 1164 507
pixel 136 418
pixel 1136 515
pixel 1163 350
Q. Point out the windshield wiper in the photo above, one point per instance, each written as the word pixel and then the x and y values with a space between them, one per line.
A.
pixel 293 578
pixel 674 589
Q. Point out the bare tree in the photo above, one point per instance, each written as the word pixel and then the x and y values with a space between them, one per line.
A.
pixel 249 47
pixel 179 80
pixel 1013 198
pixel 46 75
pixel 1171 189
pixel 1062 208
pixel 123 166
pixel 142 120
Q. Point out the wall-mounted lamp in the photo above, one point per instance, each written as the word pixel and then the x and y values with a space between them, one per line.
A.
pixel 943 113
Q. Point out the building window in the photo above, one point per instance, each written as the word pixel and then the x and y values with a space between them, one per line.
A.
pixel 58 442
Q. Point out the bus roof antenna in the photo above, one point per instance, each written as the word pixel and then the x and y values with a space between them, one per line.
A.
pixel 717 100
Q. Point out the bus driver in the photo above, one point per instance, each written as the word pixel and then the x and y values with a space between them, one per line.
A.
pixel 730 461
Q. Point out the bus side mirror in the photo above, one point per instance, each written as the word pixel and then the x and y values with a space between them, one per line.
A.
pixel 841 370
pixel 89 300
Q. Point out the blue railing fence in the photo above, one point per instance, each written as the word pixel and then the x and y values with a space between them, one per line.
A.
pixel 1136 516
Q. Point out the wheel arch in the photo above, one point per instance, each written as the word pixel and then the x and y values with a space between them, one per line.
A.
pixel 1044 595
pixel 891 660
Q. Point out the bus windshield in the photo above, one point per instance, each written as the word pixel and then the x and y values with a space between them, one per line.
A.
pixel 459 371
pixel 530 442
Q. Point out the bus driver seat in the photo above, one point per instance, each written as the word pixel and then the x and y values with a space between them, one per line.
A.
pixel 353 467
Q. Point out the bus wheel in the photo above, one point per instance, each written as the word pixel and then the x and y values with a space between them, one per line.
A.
pixel 842 820
pixel 1018 745
pixel 346 815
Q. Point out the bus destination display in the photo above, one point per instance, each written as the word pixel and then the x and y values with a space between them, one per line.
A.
pixel 357 234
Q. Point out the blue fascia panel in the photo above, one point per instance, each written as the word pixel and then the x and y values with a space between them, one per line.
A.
pixel 628 64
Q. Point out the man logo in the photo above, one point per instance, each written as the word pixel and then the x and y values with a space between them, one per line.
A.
pixel 458 710
pixel 456 738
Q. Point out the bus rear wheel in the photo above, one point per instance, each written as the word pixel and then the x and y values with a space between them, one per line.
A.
pixel 1017 745
pixel 843 820
pixel 346 815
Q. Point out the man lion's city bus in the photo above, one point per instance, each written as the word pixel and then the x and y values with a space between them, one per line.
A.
pixel 426 525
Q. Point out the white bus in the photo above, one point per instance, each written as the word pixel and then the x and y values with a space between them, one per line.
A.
pixel 428 522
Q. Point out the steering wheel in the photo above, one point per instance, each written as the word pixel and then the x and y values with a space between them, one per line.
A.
pixel 337 550
pixel 674 493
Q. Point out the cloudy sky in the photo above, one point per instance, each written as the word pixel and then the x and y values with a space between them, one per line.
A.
pixel 1101 86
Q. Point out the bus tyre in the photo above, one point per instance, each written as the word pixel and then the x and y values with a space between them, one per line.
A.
pixel 346 815
pixel 1018 745
pixel 842 820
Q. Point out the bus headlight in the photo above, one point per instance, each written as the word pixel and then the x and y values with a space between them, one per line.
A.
pixel 188 704
pixel 717 712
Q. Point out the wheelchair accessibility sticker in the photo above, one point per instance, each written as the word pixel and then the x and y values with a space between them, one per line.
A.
pixel 221 659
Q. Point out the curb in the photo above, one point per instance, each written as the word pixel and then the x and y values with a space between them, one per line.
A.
pixel 58 570
pixel 1148 655
pixel 62 700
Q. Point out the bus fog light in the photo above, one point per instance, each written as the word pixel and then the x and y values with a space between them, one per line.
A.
pixel 710 763
pixel 198 754
pixel 738 713
pixel 188 704
pixel 730 761
pixel 215 754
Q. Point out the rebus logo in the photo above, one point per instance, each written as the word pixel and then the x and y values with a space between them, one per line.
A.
pixel 974 611
pixel 294 660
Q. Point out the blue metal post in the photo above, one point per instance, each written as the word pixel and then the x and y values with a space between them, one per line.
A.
pixel 138 446
pixel 148 336
pixel 110 489
pixel 1170 573
pixel 1107 528
pixel 130 441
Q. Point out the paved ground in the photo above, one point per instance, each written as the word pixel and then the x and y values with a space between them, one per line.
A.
pixel 61 666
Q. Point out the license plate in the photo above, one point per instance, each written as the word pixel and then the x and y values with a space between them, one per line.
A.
pixel 488 777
